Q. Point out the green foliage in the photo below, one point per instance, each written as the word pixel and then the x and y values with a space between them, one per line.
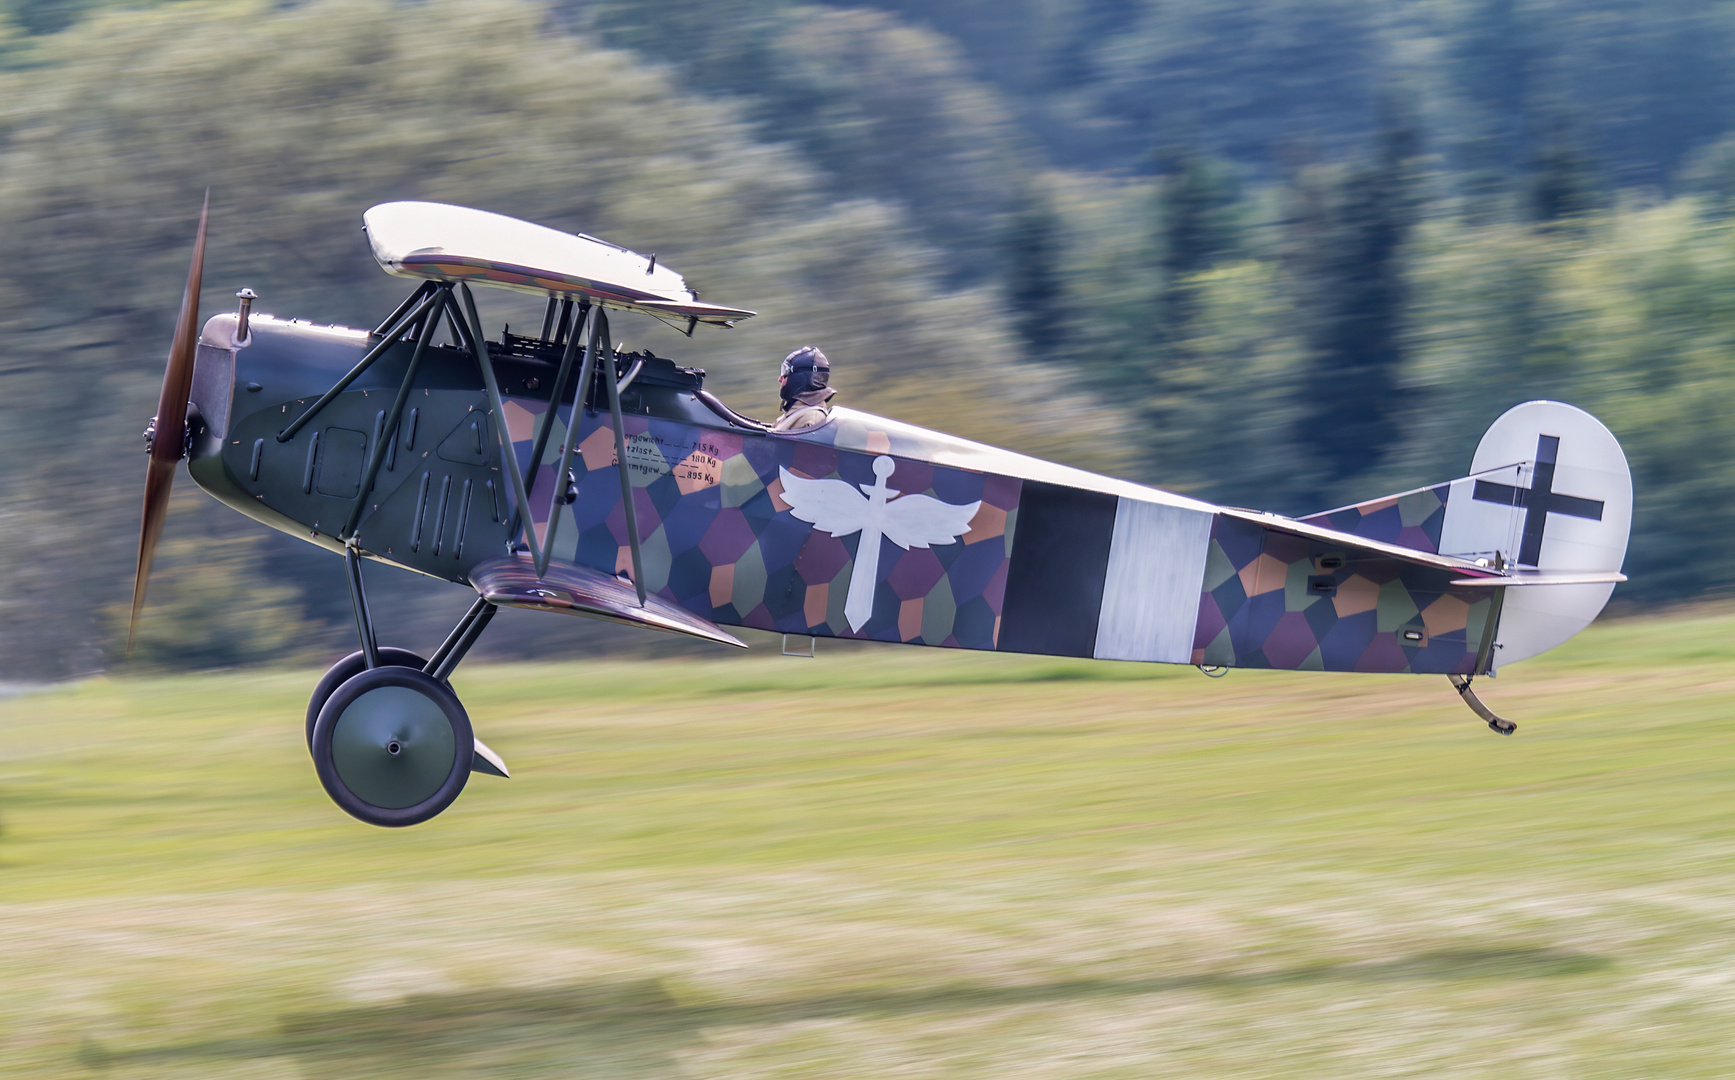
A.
pixel 1035 286
pixel 106 146
pixel 210 609
pixel 1356 278
pixel 1193 215
pixel 1234 74
pixel 1196 228
pixel 1628 316
pixel 883 109
pixel 1711 176
pixel 1274 84
pixel 887 111
pixel 1492 60
pixel 1226 403
pixel 45 16
pixel 1563 184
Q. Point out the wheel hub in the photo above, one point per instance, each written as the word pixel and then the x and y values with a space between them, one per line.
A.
pixel 393 747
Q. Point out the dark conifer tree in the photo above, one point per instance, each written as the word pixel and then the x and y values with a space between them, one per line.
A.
pixel 1195 229
pixel 1492 62
pixel 1563 181
pixel 1034 283
pixel 1351 397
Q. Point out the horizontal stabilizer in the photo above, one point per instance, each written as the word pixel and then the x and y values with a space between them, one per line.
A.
pixel 511 581
pixel 1523 576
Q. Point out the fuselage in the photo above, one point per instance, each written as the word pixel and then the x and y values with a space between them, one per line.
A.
pixel 1051 559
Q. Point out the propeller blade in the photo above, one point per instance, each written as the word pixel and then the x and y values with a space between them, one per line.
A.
pixel 170 425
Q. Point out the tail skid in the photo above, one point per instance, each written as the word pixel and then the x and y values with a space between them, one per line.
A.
pixel 1496 723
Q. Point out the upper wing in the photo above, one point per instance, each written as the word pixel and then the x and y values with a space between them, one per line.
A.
pixel 457 243
pixel 919 521
pixel 831 505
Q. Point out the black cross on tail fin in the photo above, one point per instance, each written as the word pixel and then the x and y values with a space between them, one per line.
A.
pixel 1538 500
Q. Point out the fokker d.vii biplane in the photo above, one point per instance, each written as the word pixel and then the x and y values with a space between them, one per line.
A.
pixel 558 473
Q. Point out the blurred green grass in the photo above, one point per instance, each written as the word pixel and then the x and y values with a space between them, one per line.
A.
pixel 893 861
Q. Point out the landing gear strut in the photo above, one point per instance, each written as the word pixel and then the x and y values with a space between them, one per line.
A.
pixel 390 740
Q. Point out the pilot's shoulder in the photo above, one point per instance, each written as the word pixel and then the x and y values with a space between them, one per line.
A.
pixel 801 419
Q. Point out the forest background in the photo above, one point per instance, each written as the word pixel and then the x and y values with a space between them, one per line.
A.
pixel 1281 253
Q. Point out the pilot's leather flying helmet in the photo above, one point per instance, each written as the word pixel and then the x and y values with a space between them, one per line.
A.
pixel 804 370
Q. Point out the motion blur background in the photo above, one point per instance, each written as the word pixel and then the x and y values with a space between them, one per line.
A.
pixel 1281 253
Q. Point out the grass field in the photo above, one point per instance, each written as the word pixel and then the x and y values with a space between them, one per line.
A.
pixel 894 863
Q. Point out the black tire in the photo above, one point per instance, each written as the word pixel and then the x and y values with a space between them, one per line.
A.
pixel 348 668
pixel 392 746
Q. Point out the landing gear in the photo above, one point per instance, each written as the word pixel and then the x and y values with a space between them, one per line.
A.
pixel 390 740
pixel 392 746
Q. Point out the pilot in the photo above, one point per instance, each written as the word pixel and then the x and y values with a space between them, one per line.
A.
pixel 802 385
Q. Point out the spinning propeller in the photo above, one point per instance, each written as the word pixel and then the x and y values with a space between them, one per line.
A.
pixel 168 431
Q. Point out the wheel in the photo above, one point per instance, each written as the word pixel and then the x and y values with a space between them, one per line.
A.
pixel 392 746
pixel 347 668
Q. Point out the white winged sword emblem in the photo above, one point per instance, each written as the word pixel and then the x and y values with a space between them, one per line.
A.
pixel 909 521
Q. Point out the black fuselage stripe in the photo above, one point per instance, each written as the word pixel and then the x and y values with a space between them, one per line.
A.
pixel 1059 561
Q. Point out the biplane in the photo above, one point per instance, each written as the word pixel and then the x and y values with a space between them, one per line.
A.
pixel 561 474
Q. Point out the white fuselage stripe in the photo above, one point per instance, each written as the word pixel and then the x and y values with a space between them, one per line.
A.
pixel 1156 569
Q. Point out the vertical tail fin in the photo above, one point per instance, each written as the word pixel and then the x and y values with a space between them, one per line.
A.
pixel 1549 490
